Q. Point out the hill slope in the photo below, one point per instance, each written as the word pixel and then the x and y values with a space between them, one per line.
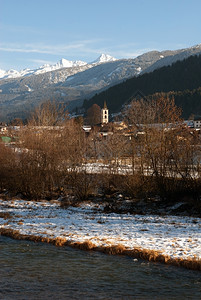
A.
pixel 180 76
pixel 20 95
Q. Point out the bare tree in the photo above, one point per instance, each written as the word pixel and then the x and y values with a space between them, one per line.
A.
pixel 7 168
pixel 156 124
pixel 93 115
pixel 49 114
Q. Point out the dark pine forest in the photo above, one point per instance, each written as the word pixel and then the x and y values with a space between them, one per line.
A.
pixel 182 80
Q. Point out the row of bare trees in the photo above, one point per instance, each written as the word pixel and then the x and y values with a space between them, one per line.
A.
pixel 154 155
pixel 165 150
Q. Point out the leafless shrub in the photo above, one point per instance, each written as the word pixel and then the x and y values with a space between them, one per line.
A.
pixel 83 184
pixel 7 168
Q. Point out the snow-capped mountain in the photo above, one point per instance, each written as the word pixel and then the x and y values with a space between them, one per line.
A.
pixel 73 81
pixel 14 73
pixel 63 63
pixel 103 58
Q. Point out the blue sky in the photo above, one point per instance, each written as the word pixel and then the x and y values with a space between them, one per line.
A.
pixel 35 32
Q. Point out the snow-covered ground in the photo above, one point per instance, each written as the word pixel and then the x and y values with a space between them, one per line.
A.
pixel 178 237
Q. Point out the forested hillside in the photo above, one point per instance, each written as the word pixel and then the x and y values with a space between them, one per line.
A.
pixel 182 80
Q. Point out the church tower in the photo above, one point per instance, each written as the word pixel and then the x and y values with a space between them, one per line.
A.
pixel 104 114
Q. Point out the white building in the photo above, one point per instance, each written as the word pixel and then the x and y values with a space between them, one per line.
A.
pixel 3 129
pixel 104 114
pixel 197 122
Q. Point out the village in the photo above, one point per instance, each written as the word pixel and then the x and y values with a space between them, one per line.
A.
pixel 102 126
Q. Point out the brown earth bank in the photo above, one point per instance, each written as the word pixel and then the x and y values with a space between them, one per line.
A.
pixel 139 253
pixel 118 203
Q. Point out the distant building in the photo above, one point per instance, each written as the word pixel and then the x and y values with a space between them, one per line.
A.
pixel 104 114
pixel 3 129
pixel 86 128
pixel 197 122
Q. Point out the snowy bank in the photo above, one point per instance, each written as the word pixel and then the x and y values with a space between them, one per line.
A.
pixel 169 239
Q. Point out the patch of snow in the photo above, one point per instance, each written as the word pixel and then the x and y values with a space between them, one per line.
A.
pixel 178 237
pixel 118 69
pixel 177 205
pixel 29 89
pixel 196 46
pixel 70 78
pixel 2 73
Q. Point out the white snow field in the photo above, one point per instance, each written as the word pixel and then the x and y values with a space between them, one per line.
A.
pixel 173 236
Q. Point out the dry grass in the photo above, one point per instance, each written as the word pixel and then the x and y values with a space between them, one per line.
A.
pixel 5 215
pixel 145 254
pixel 60 241
pixel 87 245
pixel 20 222
pixel 113 250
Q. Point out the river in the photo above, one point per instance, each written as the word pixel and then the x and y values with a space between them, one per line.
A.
pixel 31 270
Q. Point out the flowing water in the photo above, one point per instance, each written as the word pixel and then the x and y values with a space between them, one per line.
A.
pixel 31 270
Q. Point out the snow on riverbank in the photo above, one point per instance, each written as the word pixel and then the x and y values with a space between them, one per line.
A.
pixel 173 236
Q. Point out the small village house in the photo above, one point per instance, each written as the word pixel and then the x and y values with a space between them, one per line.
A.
pixel 197 122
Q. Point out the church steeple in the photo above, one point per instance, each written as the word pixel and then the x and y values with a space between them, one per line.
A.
pixel 104 114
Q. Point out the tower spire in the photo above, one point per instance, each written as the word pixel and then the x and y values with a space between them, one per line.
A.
pixel 104 114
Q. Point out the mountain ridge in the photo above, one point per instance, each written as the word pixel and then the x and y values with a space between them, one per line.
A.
pixel 78 81
pixel 62 63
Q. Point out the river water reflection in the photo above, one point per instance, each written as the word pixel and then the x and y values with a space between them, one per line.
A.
pixel 41 271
